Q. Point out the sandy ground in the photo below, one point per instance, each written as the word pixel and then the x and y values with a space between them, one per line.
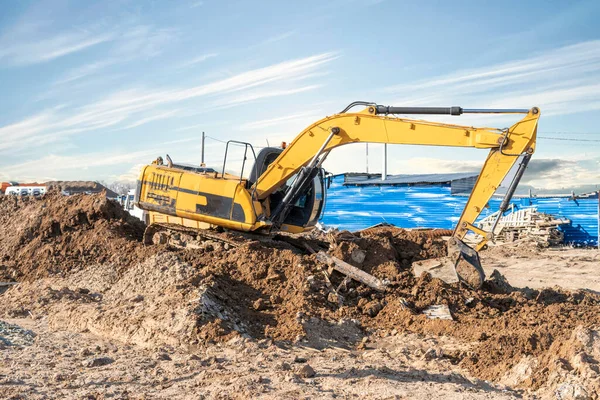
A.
pixel 565 267
pixel 99 315
pixel 59 365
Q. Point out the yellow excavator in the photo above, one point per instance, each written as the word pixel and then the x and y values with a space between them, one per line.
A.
pixel 286 187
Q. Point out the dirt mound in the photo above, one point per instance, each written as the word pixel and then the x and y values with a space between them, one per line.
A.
pixel 56 233
pixel 82 265
pixel 387 251
pixel 259 289
pixel 73 187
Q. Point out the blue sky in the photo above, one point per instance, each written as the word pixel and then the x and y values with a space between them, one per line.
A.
pixel 93 90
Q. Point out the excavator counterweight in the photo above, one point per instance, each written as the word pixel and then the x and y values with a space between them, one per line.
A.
pixel 286 187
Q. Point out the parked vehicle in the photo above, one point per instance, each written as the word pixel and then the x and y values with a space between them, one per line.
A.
pixel 24 191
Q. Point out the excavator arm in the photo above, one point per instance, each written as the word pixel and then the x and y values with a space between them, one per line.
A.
pixel 375 124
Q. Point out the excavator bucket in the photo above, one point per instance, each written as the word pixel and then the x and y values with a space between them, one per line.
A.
pixel 461 265
pixel 466 263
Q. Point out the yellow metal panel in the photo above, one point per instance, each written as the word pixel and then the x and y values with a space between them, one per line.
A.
pixel 294 228
pixel 178 193
pixel 201 200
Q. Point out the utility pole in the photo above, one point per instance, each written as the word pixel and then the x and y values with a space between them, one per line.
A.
pixel 384 166
pixel 367 157
pixel 202 151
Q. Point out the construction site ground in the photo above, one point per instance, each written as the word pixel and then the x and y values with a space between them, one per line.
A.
pixel 95 314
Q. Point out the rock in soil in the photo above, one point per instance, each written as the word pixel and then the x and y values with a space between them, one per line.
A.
pixel 306 371
pixel 14 335
pixel 97 362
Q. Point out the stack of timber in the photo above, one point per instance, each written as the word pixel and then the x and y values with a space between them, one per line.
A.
pixel 526 223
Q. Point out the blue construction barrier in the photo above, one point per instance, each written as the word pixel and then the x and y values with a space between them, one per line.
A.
pixel 354 208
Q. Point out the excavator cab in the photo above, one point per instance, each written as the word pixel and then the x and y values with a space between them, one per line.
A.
pixel 305 211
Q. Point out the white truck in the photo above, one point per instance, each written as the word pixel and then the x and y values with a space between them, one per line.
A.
pixel 24 191
pixel 128 204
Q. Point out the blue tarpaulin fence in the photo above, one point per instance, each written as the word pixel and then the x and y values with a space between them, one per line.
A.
pixel 354 208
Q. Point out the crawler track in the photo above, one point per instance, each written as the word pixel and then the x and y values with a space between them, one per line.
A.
pixel 184 237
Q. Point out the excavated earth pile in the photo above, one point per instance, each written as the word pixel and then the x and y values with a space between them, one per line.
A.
pixel 49 236
pixel 80 262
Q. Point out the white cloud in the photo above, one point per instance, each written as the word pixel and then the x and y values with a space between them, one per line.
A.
pixel 258 77
pixel 427 165
pixel 143 41
pixel 103 164
pixel 69 166
pixel 308 117
pixel 277 38
pixel 195 139
pixel 542 173
pixel 31 41
pixel 198 60
pixel 156 117
pixel 559 81
pixel 201 126
pixel 552 173
pixel 130 176
pixel 18 50
pixel 83 71
pixel 254 95
pixel 130 108
pixel 27 127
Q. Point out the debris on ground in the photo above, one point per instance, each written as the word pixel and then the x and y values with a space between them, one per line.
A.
pixel 14 335
pixel 306 371
pixel 97 362
pixel 525 225
pixel 438 311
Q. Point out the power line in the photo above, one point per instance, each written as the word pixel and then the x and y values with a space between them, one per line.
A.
pixel 213 138
pixel 235 144
pixel 571 133
pixel 568 139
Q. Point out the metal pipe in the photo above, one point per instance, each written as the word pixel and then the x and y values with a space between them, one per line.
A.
pixel 202 152
pixel 511 190
pixel 378 109
pixel 418 110
pixel 313 162
pixel 495 111
pixel 357 103
pixel 322 160
pixel 384 166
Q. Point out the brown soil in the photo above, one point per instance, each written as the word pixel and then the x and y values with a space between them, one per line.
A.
pixel 54 234
pixel 81 264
